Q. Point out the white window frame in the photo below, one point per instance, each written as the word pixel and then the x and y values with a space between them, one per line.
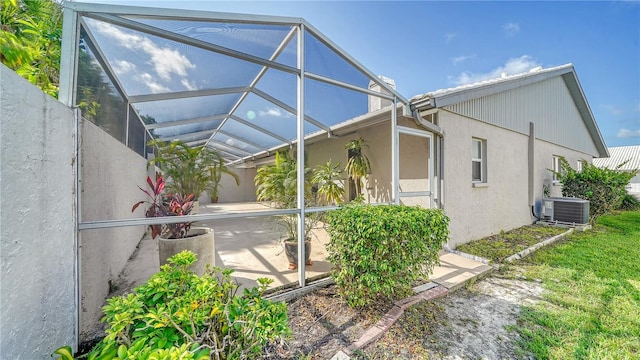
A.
pixel 580 165
pixel 482 160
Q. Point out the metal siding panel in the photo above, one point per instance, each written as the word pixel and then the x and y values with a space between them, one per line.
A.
pixel 548 104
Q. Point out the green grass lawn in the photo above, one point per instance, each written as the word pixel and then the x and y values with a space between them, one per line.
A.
pixel 592 298
pixel 500 246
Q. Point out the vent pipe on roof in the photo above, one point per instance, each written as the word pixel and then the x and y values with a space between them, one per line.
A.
pixel 377 103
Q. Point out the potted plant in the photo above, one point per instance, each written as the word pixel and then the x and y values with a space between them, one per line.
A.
pixel 190 170
pixel 330 185
pixel 176 237
pixel 358 165
pixel 278 183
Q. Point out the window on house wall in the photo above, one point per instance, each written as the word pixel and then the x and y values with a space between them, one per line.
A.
pixel 556 168
pixel 478 160
pixel 580 165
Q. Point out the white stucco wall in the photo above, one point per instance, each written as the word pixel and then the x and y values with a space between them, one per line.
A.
pixel 111 174
pixel 37 246
pixel 502 204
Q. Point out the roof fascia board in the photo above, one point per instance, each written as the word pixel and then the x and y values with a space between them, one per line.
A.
pixel 182 14
pixel 187 94
pixel 346 86
pixel 350 126
pixel 575 89
pixel 351 60
pixel 493 88
pixel 185 121
pixel 152 30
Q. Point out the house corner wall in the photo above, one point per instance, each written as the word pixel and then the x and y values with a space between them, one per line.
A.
pixel 111 174
pixel 37 245
pixel 503 203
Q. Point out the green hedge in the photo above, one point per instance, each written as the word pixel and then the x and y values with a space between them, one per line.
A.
pixel 379 251
pixel 604 188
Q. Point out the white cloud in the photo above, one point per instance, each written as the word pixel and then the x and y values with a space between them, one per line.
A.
pixel 123 66
pixel 153 85
pixel 612 109
pixel 511 29
pixel 511 67
pixel 166 61
pixel 625 133
pixel 458 59
pixel 189 85
pixel 276 112
pixel 448 37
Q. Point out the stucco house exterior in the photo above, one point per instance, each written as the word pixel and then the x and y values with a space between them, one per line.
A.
pixel 482 152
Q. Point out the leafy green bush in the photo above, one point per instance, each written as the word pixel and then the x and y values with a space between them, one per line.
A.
pixel 629 202
pixel 603 187
pixel 179 315
pixel 379 251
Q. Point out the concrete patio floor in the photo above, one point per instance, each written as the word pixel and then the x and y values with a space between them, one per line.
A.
pixel 250 246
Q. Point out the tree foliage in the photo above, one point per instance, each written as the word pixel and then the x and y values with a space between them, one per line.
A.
pixel 30 41
pixel 604 188
pixel 191 170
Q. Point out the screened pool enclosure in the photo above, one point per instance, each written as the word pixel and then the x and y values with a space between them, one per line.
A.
pixel 244 85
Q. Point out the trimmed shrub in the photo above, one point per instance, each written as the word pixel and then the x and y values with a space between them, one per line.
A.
pixel 603 187
pixel 379 251
pixel 629 202
pixel 179 315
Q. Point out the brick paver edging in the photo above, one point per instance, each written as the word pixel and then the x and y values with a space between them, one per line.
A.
pixel 377 330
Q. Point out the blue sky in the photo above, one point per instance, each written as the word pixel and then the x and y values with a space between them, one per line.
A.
pixel 425 45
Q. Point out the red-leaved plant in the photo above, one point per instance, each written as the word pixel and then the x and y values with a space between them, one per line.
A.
pixel 166 205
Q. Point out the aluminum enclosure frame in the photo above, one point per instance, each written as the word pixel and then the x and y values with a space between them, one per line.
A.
pixel 74 20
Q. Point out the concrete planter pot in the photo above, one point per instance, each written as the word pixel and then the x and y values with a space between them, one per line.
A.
pixel 200 240
pixel 291 250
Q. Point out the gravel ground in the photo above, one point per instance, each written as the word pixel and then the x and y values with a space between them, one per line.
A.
pixel 476 322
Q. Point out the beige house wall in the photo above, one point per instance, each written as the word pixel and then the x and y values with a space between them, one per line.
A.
pixel 503 202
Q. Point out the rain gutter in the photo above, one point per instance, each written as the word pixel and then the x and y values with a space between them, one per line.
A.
pixel 420 121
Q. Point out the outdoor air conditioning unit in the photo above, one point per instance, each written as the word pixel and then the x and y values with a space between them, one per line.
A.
pixel 566 210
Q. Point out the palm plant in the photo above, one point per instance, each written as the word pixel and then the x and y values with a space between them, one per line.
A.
pixel 215 176
pixel 330 185
pixel 189 168
pixel 278 183
pixel 358 165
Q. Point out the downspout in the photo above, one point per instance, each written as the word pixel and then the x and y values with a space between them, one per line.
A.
pixel 78 218
pixel 532 141
pixel 440 145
